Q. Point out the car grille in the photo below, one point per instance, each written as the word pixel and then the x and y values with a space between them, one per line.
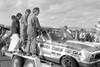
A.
pixel 97 56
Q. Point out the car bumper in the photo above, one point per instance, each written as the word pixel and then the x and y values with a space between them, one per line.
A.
pixel 89 65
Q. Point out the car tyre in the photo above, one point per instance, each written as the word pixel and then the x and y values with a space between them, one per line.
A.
pixel 69 62
pixel 17 61
pixel 29 63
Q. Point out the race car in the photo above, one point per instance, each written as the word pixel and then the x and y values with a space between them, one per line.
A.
pixel 66 51
pixel 58 46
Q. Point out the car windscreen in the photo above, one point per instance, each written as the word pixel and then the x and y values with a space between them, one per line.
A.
pixel 58 36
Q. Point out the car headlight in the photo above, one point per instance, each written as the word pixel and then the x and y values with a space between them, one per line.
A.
pixel 82 55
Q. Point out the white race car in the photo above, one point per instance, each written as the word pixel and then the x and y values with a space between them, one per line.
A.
pixel 56 48
pixel 56 45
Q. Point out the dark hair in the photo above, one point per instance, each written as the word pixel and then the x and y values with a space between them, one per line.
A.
pixel 28 10
pixel 18 15
pixel 13 17
pixel 65 26
pixel 36 9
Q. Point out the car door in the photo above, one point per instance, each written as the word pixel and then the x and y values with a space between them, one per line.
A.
pixel 46 49
pixel 56 51
pixel 52 51
pixel 44 45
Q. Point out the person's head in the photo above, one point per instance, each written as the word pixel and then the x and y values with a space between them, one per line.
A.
pixel 36 11
pixel 65 27
pixel 13 17
pixel 18 16
pixel 27 12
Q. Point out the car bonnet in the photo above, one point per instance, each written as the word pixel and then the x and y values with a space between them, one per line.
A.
pixel 91 47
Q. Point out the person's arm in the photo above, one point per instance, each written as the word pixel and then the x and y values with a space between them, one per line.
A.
pixel 24 19
pixel 12 29
pixel 38 24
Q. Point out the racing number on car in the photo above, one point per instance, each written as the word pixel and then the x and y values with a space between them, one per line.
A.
pixel 75 53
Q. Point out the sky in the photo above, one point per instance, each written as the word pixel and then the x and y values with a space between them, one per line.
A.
pixel 55 13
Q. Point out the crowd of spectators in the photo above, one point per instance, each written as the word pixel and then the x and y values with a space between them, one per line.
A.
pixel 83 35
pixel 78 34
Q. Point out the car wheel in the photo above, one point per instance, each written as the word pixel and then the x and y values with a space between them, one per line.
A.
pixel 17 61
pixel 29 63
pixel 69 62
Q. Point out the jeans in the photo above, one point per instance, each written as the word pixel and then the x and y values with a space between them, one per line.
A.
pixel 31 45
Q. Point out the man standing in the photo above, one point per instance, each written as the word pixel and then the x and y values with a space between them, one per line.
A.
pixel 32 32
pixel 18 17
pixel 66 28
pixel 82 35
pixel 67 32
pixel 15 32
pixel 23 26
